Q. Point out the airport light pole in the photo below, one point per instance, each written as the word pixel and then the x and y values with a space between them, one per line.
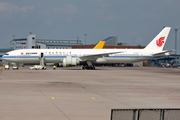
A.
pixel 85 38
pixel 176 44
pixel 77 39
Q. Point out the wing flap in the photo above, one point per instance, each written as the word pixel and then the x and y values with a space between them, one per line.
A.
pixel 95 56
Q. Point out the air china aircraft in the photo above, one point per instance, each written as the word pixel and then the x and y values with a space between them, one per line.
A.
pixel 87 57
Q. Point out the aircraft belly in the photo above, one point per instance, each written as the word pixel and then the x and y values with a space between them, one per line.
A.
pixel 119 60
pixel 124 59
pixel 53 60
pixel 101 60
pixel 24 60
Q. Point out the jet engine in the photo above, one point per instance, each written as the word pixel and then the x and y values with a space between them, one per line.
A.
pixel 70 61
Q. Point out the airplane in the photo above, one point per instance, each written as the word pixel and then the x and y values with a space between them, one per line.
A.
pixel 100 45
pixel 87 57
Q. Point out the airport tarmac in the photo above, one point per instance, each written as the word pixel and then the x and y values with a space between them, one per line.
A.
pixel 74 94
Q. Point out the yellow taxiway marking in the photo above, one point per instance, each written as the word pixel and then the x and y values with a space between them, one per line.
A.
pixel 93 98
pixel 52 97
pixel 66 81
pixel 42 81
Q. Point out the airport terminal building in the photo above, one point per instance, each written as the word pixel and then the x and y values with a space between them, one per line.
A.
pixel 32 43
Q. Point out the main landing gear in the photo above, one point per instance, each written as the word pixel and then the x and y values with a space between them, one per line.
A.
pixel 87 66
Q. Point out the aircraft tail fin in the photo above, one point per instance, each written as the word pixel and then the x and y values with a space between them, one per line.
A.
pixel 159 41
pixel 100 45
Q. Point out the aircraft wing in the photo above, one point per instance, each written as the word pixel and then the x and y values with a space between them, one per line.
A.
pixel 95 56
pixel 163 53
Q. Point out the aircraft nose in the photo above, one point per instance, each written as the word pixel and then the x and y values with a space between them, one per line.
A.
pixel 4 57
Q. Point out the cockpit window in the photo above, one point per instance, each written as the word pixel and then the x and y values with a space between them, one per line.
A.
pixel 6 54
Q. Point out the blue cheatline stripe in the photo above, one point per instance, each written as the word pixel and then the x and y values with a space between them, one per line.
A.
pixel 36 56
pixel 58 56
pixel 78 56
pixel 20 56
pixel 54 56
pixel 129 56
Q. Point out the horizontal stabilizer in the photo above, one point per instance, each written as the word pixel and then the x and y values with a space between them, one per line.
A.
pixel 163 53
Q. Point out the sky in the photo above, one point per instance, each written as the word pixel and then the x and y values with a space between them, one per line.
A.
pixel 129 20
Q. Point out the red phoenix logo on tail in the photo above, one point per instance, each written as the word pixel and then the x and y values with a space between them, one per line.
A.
pixel 160 41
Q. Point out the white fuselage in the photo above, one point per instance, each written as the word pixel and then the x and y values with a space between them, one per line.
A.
pixel 74 56
pixel 57 55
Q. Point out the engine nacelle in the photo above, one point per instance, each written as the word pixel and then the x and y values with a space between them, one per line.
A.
pixel 70 61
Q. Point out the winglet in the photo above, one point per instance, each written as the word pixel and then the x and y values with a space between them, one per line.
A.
pixel 100 45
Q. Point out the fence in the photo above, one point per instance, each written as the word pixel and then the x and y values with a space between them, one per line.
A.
pixel 145 114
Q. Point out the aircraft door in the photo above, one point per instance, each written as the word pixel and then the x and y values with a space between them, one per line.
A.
pixel 42 59
pixel 42 55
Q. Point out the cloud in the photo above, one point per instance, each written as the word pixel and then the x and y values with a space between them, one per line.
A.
pixel 9 7
pixel 104 13
pixel 110 17
pixel 67 10
pixel 104 5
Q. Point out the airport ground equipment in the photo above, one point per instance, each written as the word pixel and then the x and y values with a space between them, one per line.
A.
pixel 146 114
pixel 37 67
pixel 15 67
pixel 6 67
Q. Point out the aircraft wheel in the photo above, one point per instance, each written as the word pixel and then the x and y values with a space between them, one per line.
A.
pixel 82 67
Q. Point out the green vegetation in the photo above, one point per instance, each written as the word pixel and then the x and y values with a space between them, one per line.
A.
pixel 1 64
pixel 147 65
